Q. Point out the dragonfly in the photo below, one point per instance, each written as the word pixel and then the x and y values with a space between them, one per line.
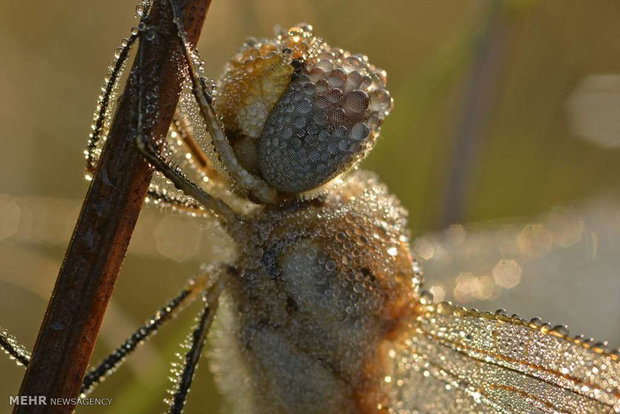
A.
pixel 325 309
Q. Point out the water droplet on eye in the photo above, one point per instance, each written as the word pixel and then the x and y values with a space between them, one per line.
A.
pixel 316 74
pixel 320 118
pixel 337 116
pixel 326 55
pixel 306 27
pixel 337 78
pixel 321 102
pixel 322 85
pixel 304 106
pixel 335 95
pixel 392 251
pixel 325 64
pixel 339 133
pixel 380 100
pixel 331 148
pixel 287 133
pixel 354 80
pixel 299 122
pixel 250 42
pixel 375 121
pixel 359 131
pixel 324 134
pixel 357 101
pixel 309 89
pixel 382 74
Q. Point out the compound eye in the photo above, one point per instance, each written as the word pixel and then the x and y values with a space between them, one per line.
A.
pixel 325 122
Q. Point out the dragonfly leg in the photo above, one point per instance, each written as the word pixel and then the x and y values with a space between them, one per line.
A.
pixel 259 188
pixel 13 348
pixel 112 362
pixel 196 345
pixel 105 100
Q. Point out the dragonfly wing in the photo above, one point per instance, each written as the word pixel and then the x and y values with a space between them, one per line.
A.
pixel 562 264
pixel 460 360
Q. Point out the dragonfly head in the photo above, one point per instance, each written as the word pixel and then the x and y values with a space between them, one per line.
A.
pixel 299 113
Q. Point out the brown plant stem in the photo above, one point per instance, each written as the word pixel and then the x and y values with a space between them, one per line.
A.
pixel 109 213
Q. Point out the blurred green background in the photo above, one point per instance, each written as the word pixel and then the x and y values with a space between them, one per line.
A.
pixel 482 129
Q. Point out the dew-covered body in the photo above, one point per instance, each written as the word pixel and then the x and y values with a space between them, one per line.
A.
pixel 319 291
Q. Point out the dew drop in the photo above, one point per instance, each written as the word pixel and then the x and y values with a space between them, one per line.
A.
pixel 150 34
pixel 304 106
pixel 337 116
pixel 357 101
pixel 330 265
pixel 335 95
pixel 337 78
pixel 359 131
pixel 380 100
pixel 325 65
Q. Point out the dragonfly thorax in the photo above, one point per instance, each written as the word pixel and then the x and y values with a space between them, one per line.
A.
pixel 324 286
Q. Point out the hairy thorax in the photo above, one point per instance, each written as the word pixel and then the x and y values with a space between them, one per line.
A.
pixel 321 289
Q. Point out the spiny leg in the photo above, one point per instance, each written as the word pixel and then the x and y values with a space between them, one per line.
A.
pixel 104 101
pixel 257 186
pixel 113 361
pixel 173 173
pixel 190 360
pixel 178 178
pixel 14 349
